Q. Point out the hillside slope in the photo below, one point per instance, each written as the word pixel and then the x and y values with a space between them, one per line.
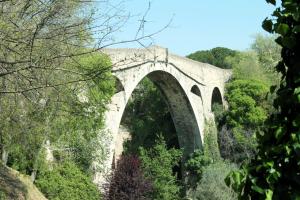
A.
pixel 16 186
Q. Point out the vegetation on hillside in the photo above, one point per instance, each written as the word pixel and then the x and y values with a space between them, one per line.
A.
pixel 53 92
pixel 215 56
pixel 274 172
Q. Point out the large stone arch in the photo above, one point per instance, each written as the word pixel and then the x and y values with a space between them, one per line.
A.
pixel 181 110
pixel 179 104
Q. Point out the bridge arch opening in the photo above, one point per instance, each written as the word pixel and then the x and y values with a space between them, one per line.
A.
pixel 118 85
pixel 195 90
pixel 180 110
pixel 216 99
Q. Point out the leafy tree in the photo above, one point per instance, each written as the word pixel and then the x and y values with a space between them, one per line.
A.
pixel 215 56
pixel 157 164
pixel 246 65
pixel 245 99
pixel 39 36
pixel 128 181
pixel 69 117
pixel 245 117
pixel 195 166
pixel 41 54
pixel 268 52
pixel 274 172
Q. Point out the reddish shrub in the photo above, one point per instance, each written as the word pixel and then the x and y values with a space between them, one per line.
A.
pixel 128 181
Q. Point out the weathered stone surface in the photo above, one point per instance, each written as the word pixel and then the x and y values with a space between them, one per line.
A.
pixel 175 76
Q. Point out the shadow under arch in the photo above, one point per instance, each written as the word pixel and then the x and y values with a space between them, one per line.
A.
pixel 118 85
pixel 183 116
pixel 216 97
pixel 195 90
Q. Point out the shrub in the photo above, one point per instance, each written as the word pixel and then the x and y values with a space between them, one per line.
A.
pixel 157 164
pixel 195 166
pixel 212 185
pixel 128 181
pixel 67 181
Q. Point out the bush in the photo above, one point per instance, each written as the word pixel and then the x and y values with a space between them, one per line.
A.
pixel 67 181
pixel 195 166
pixel 212 185
pixel 248 110
pixel 157 164
pixel 128 181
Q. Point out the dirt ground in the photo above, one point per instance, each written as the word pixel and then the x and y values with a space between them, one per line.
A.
pixel 16 186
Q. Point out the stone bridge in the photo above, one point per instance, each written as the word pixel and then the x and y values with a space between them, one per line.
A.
pixel 189 87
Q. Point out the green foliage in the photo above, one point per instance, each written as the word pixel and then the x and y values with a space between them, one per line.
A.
pixel 157 164
pixel 215 56
pixel 196 164
pixel 211 185
pixel 2 195
pixel 46 25
pixel 219 113
pixel 146 115
pixel 274 172
pixel 43 100
pixel 206 170
pixel 81 125
pixel 211 147
pixel 244 118
pixel 67 181
pixel 247 107
pixel 268 52
pixel 246 103
pixel 199 160
pixel 70 117
pixel 246 65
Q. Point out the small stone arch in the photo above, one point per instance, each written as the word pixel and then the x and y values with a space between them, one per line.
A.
pixel 195 90
pixel 118 85
pixel 216 97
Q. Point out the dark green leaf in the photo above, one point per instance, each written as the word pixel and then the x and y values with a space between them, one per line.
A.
pixel 257 189
pixel 267 25
pixel 273 88
pixel 289 42
pixel 296 29
pixel 282 29
pixel 272 2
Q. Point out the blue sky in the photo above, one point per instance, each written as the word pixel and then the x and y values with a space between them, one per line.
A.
pixel 198 24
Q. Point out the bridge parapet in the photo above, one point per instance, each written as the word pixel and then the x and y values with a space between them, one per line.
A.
pixel 124 57
pixel 131 57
